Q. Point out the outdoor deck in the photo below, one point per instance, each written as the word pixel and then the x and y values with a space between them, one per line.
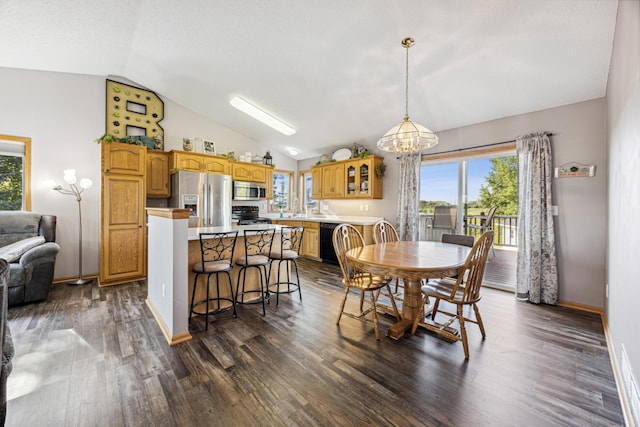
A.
pixel 501 268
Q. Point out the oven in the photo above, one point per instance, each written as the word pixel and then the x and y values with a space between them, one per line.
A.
pixel 248 215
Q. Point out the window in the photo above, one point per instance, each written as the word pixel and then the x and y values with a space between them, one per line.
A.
pixel 306 183
pixel 282 191
pixel 15 160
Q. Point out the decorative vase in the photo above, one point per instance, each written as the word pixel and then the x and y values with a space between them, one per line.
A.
pixel 187 145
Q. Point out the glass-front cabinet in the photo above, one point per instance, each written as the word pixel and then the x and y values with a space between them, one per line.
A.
pixel 356 178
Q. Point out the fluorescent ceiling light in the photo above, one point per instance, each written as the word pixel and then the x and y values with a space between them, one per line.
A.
pixel 262 116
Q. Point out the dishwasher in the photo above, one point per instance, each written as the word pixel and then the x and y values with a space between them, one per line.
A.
pixel 327 253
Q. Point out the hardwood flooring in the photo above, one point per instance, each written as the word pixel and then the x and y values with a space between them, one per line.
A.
pixel 92 356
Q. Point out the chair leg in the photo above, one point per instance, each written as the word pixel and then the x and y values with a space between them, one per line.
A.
pixel 361 300
pixel 434 310
pixel 262 291
pixel 375 315
pixel 463 332
pixel 479 320
pixel 418 317
pixel 206 313
pixel 233 297
pixel 393 304
pixel 295 264
pixel 193 295
pixel 344 300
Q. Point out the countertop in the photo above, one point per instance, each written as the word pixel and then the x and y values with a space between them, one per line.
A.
pixel 194 233
pixel 337 219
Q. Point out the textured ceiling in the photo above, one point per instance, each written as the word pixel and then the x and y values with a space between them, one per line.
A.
pixel 333 69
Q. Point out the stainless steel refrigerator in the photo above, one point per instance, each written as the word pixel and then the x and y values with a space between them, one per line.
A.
pixel 206 195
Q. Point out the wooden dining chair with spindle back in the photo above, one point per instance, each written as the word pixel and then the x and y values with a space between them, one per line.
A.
pixel 455 292
pixel 383 232
pixel 346 237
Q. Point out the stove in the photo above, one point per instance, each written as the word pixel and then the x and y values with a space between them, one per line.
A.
pixel 247 215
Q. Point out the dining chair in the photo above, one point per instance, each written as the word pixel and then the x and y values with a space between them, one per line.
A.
pixel 444 220
pixel 384 232
pixel 290 243
pixel 486 224
pixel 257 247
pixel 216 253
pixel 346 237
pixel 458 239
pixel 453 292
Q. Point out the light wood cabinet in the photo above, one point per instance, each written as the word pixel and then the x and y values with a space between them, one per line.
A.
pixel 361 179
pixel 355 178
pixel 187 161
pixel 243 171
pixel 269 189
pixel 333 181
pixel 316 183
pixel 158 174
pixel 311 240
pixel 122 230
pixel 123 158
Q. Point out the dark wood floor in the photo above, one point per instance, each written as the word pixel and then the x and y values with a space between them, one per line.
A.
pixel 92 356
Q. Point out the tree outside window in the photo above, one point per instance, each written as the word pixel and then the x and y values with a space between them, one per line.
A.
pixel 11 182
pixel 282 190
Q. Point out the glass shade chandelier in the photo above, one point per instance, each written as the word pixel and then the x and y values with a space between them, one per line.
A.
pixel 407 137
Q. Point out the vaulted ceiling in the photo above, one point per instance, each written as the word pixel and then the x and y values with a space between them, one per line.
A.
pixel 333 69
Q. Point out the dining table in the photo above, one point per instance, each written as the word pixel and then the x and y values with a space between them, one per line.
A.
pixel 412 261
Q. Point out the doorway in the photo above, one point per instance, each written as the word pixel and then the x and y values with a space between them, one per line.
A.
pixel 470 185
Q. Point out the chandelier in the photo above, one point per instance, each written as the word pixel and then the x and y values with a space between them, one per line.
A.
pixel 407 137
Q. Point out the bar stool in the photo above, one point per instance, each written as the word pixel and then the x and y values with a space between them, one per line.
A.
pixel 290 243
pixel 216 250
pixel 257 246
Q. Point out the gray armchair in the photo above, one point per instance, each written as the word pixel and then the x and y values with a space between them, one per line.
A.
pixel 31 274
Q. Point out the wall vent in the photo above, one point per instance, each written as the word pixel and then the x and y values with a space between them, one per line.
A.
pixel 630 387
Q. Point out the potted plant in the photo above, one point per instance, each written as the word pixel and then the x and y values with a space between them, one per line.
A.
pixel 380 169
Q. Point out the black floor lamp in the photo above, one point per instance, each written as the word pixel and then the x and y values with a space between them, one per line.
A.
pixel 74 190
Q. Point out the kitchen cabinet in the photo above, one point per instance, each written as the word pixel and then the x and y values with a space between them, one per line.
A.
pixel 269 189
pixel 122 221
pixel 311 240
pixel 187 161
pixel 362 181
pixel 158 174
pixel 333 181
pixel 354 178
pixel 316 183
pixel 243 171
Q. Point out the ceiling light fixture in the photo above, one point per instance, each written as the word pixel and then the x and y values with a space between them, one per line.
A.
pixel 258 114
pixel 407 137
pixel 293 152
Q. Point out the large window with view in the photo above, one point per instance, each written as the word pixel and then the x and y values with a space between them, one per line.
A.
pixel 282 191
pixel 457 195
pixel 14 173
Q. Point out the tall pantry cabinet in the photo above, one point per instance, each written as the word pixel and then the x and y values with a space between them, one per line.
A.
pixel 122 225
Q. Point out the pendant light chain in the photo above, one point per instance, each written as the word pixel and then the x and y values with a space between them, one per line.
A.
pixel 406 85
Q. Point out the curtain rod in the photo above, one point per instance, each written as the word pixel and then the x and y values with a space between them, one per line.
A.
pixel 478 146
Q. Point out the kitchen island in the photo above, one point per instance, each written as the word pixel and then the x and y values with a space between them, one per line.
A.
pixel 173 249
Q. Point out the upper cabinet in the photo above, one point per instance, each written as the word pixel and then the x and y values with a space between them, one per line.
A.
pixel 158 174
pixel 354 178
pixel 123 158
pixel 196 162
pixel 243 171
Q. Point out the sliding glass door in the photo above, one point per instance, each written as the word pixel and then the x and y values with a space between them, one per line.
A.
pixel 455 197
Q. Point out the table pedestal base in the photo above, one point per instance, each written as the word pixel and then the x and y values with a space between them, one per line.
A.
pixel 397 331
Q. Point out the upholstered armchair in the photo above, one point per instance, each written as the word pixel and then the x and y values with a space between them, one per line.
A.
pixel 27 243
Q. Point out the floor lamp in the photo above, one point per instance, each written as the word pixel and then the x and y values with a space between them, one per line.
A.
pixel 74 190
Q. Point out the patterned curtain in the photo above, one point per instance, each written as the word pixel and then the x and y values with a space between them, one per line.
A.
pixel 537 270
pixel 408 197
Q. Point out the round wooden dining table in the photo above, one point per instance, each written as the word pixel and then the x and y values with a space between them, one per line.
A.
pixel 411 261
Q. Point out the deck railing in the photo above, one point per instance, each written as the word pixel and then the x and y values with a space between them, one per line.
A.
pixel 505 228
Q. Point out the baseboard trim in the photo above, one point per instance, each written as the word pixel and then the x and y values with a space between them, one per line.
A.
pixel 581 307
pixel 171 339
pixel 617 375
pixel 63 280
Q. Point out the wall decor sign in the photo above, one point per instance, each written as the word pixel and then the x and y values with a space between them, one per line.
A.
pixel 132 111
pixel 574 169
pixel 209 147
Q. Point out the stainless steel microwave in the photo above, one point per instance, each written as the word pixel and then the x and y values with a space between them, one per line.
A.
pixel 248 191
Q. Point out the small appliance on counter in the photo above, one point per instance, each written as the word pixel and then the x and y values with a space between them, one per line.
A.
pixel 248 215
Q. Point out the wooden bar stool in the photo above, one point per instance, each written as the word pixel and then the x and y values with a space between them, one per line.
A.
pixel 216 251
pixel 257 247
pixel 290 243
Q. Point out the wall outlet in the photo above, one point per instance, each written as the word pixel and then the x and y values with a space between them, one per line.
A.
pixel 361 207
pixel 366 207
pixel 554 208
pixel 606 290
pixel 164 291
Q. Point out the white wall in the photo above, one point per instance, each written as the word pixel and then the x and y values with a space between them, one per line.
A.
pixel 623 246
pixel 62 114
